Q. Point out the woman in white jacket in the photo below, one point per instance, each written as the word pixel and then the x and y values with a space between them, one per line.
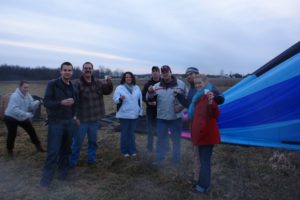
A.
pixel 128 97
pixel 19 112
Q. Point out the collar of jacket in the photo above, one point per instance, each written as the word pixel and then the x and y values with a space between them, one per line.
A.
pixel 173 82
pixel 61 84
pixel 85 82
pixel 153 82
pixel 18 91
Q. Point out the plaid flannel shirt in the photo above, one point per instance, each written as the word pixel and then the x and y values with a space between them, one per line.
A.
pixel 91 103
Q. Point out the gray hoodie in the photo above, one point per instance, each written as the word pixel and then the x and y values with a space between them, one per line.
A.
pixel 20 106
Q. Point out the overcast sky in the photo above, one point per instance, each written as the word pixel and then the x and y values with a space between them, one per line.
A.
pixel 236 36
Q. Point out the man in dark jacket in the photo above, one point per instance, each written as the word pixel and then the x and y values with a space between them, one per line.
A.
pixel 60 101
pixel 151 107
pixel 90 110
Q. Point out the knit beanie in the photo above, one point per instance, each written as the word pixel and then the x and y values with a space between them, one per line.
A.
pixel 192 70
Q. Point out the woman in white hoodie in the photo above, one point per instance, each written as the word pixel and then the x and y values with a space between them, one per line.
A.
pixel 19 113
pixel 128 97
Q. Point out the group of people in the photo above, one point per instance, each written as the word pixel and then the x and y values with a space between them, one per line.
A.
pixel 168 98
pixel 74 109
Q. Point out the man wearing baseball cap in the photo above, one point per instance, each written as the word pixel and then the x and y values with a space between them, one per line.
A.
pixel 151 107
pixel 168 116
pixel 190 73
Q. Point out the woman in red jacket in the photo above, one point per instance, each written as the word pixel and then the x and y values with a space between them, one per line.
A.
pixel 203 113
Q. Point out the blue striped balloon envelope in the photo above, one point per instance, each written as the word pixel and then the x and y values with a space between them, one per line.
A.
pixel 264 108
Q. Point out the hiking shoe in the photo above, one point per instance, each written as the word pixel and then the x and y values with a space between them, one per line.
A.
pixel 200 189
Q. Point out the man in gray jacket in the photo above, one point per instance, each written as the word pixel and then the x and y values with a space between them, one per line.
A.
pixel 169 113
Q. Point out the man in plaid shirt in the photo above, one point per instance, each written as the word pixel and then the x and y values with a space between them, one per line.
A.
pixel 90 110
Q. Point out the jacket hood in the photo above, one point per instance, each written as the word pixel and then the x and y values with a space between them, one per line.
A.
pixel 18 91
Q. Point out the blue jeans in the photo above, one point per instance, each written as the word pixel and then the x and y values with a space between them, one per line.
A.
pixel 205 153
pixel 163 126
pixel 89 128
pixel 58 149
pixel 127 142
pixel 151 128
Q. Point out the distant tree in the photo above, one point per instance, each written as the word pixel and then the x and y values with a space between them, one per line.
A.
pixel 15 72
pixel 236 75
pixel 108 71
pixel 222 72
pixel 101 71
pixel 117 73
pixel 96 73
pixel 77 72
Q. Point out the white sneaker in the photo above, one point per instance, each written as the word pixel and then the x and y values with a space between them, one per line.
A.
pixel 126 155
pixel 133 155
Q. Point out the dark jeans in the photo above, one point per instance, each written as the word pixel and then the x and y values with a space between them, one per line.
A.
pixel 86 128
pixel 205 153
pixel 151 129
pixel 163 128
pixel 127 142
pixel 60 134
pixel 12 125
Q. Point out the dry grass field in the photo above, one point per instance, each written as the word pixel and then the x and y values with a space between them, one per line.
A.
pixel 237 173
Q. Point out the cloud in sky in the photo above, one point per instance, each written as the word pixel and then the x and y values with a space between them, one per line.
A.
pixel 233 36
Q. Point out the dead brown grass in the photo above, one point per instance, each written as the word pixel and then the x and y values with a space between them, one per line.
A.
pixel 237 173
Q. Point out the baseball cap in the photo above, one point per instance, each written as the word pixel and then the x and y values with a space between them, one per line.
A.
pixel 155 68
pixel 165 68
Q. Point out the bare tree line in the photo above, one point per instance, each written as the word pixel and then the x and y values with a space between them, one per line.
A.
pixel 15 72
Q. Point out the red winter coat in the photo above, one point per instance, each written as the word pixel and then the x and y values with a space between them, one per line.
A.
pixel 204 125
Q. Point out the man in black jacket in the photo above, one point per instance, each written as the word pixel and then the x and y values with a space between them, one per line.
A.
pixel 151 107
pixel 60 101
